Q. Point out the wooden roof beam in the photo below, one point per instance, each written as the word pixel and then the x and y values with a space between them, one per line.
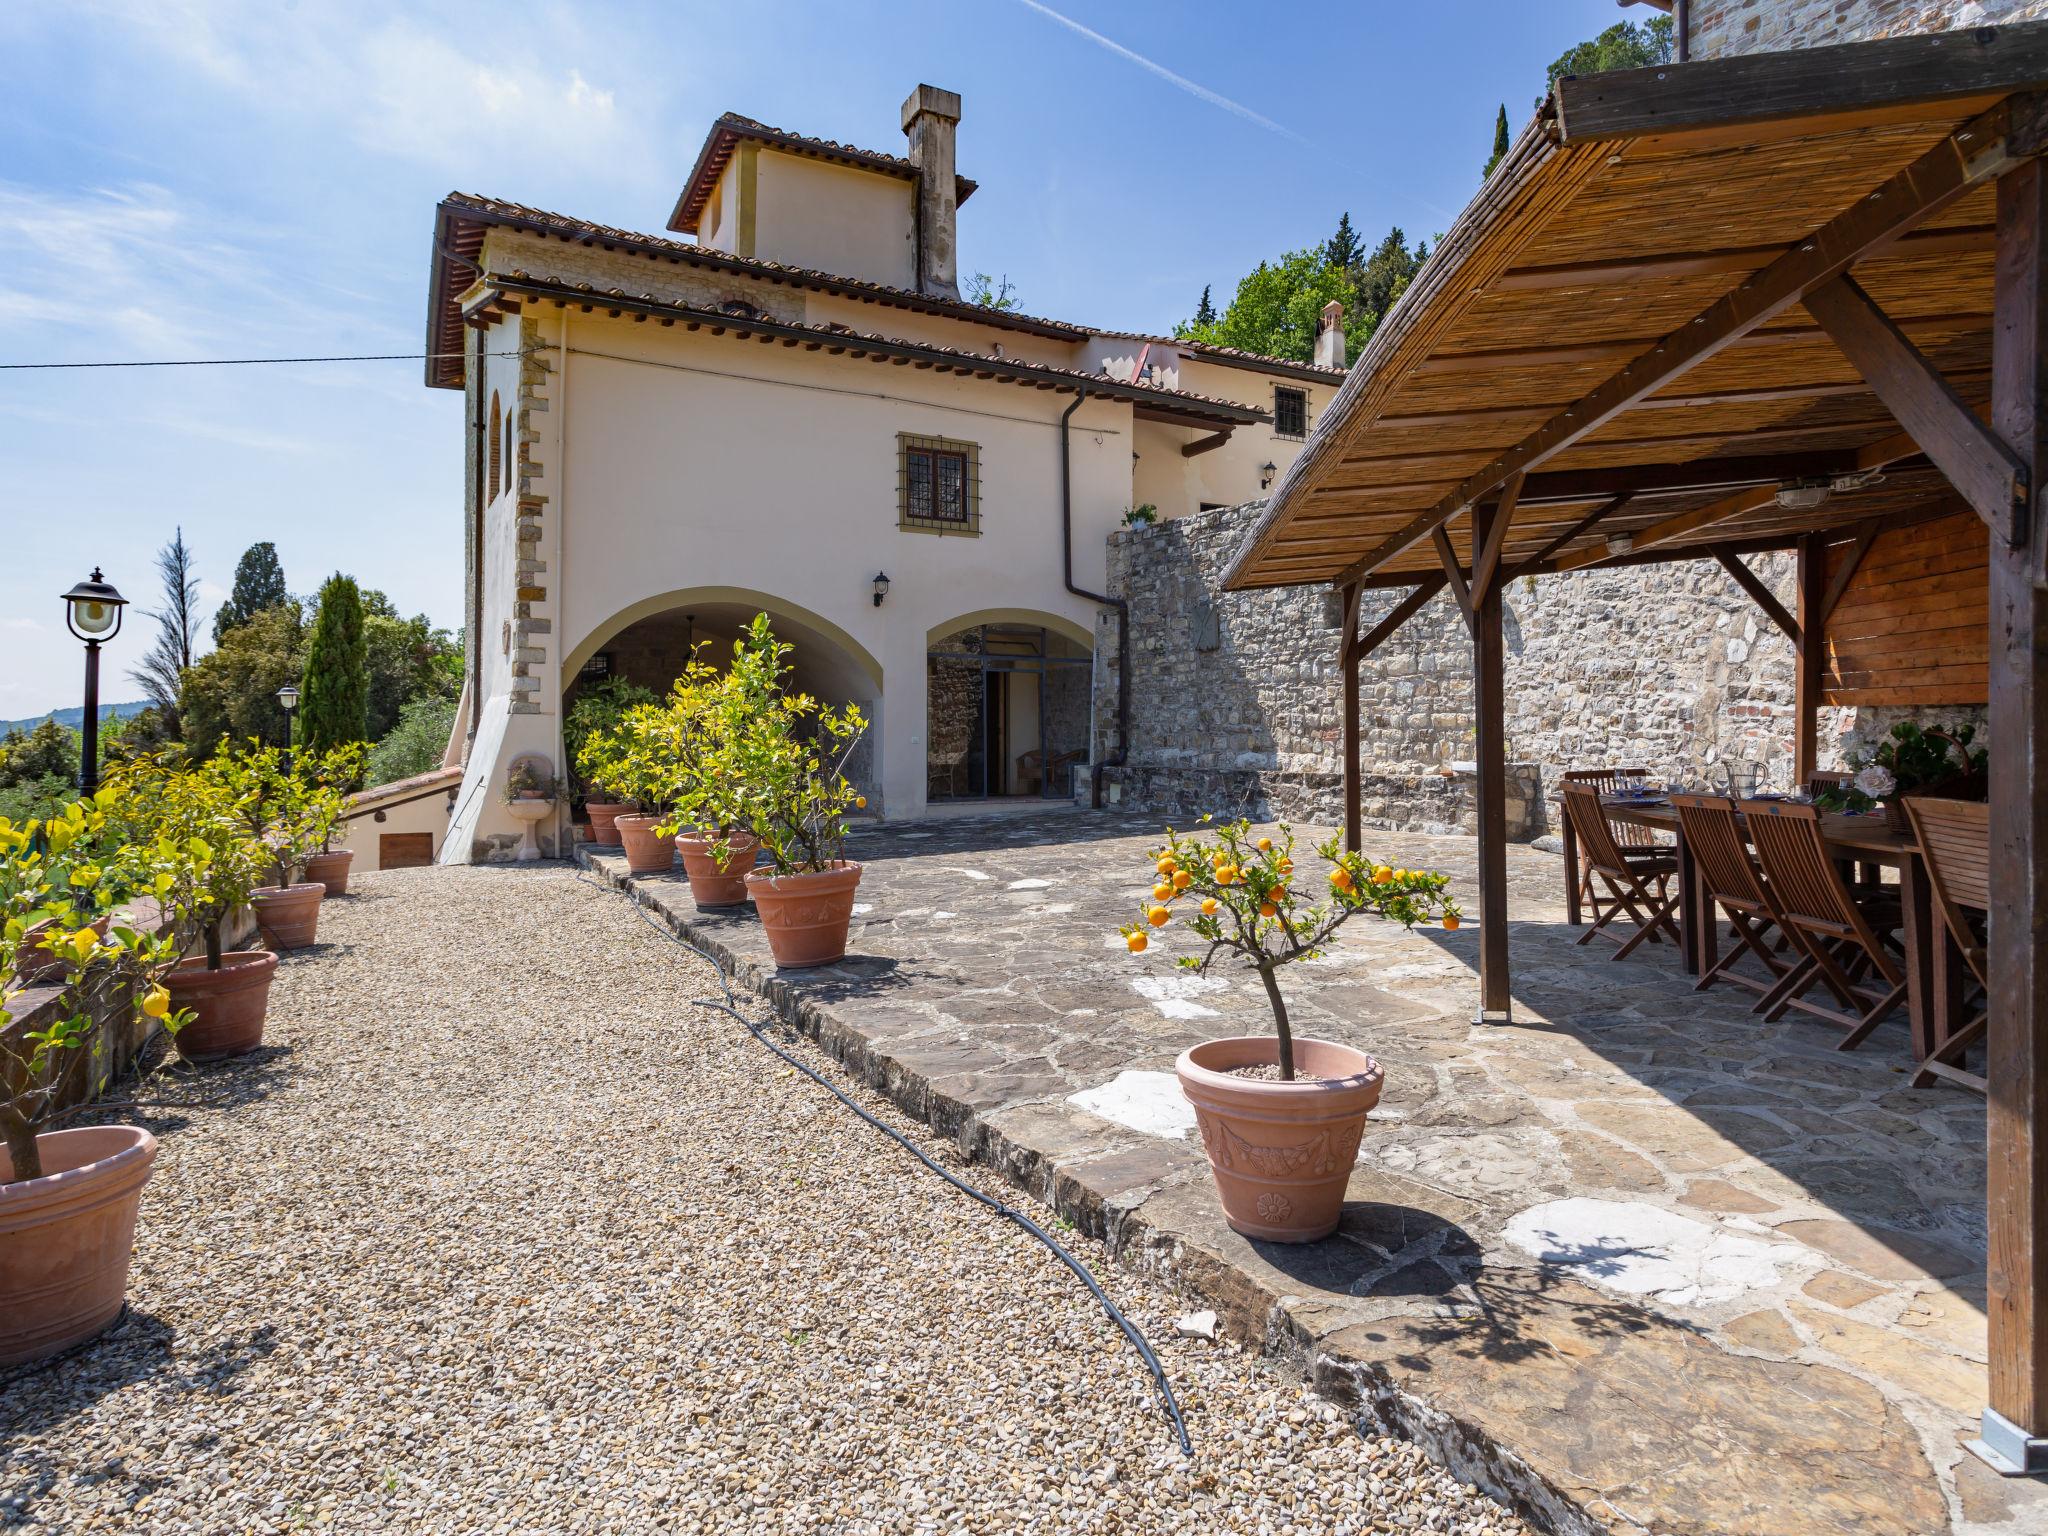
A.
pixel 1486 561
pixel 1361 646
pixel 1461 591
pixel 1205 444
pixel 1976 461
pixel 1836 86
pixel 1972 155
pixel 1583 525
pixel 1762 595
pixel 1622 351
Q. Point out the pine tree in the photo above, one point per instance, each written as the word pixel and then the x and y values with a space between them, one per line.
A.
pixel 334 697
pixel 1500 141
pixel 162 672
pixel 1205 312
pixel 259 584
pixel 1344 250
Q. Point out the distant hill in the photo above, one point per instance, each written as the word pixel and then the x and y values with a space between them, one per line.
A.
pixel 74 717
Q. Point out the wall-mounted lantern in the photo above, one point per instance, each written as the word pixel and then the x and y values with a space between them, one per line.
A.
pixel 1267 471
pixel 881 587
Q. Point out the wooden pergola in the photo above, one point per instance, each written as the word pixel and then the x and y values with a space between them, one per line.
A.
pixel 1792 301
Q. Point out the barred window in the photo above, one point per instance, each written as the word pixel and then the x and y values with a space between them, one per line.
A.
pixel 1290 412
pixel 938 485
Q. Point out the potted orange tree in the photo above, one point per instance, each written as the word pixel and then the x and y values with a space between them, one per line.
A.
pixel 783 756
pixel 69 1198
pixel 1281 1117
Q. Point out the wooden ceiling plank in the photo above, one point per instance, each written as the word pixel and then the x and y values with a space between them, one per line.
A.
pixel 1962 240
pixel 1584 525
pixel 1977 463
pixel 1965 159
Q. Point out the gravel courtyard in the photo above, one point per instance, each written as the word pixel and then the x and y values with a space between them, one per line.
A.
pixel 498 1233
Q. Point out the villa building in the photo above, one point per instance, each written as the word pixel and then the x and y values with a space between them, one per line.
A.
pixel 785 405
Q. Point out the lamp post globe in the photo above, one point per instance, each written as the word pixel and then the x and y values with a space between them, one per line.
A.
pixel 288 698
pixel 92 612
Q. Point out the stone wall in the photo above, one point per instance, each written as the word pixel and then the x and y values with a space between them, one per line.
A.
pixel 1722 27
pixel 1236 698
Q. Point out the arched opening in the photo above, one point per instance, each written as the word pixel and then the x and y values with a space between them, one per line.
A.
pixel 497 422
pixel 1007 707
pixel 649 642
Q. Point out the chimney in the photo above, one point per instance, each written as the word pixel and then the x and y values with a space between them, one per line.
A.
pixel 930 117
pixel 1330 337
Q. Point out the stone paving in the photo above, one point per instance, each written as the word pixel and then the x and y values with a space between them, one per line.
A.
pixel 1635 1262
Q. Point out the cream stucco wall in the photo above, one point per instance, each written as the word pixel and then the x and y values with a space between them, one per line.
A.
pixel 833 218
pixel 674 481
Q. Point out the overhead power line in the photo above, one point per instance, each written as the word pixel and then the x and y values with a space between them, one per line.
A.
pixel 249 362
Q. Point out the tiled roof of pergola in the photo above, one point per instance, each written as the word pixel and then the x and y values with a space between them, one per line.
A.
pixel 1628 315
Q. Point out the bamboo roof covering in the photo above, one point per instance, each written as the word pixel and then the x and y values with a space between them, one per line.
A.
pixel 1614 335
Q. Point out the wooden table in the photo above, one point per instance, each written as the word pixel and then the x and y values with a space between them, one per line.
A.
pixel 1933 974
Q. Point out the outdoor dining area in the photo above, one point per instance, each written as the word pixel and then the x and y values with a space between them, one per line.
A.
pixel 1841 914
pixel 1786 303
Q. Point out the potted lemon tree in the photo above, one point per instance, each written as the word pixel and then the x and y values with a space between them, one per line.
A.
pixel 291 810
pixel 598 711
pixel 1281 1117
pixel 783 758
pixel 632 761
pixel 69 1198
pixel 198 835
pixel 693 732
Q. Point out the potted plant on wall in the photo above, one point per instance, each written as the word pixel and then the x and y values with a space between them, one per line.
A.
pixel 785 759
pixel 530 790
pixel 69 1198
pixel 1281 1118
pixel 205 863
pixel 597 713
pixel 693 732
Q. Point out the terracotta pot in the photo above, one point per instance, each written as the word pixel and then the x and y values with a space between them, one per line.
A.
pixel 289 915
pixel 713 884
pixel 33 963
pixel 1281 1152
pixel 647 851
pixel 806 916
pixel 229 1003
pixel 65 1238
pixel 603 818
pixel 331 869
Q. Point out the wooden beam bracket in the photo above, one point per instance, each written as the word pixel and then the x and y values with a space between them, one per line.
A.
pixel 1461 591
pixel 1760 594
pixel 1205 444
pixel 1988 474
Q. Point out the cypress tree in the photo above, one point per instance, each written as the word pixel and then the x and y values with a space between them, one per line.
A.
pixel 334 697
pixel 1205 312
pixel 1344 250
pixel 259 584
pixel 1500 141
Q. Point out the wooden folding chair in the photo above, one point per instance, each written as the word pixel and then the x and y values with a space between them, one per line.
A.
pixel 1630 876
pixel 1627 837
pixel 1955 843
pixel 1823 779
pixel 1729 879
pixel 1838 936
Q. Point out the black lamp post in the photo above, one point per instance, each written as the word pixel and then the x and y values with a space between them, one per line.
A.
pixel 92 611
pixel 288 697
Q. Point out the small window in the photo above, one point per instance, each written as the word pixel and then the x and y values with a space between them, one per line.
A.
pixel 1290 412
pixel 511 448
pixel 492 479
pixel 938 485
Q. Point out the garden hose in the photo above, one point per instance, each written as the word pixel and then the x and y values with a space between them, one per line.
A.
pixel 1168 1402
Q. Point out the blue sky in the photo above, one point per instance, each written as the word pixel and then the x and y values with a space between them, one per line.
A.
pixel 235 178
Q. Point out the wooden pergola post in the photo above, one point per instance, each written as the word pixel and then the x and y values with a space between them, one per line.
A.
pixel 1489 712
pixel 2015 1436
pixel 1810 658
pixel 1348 656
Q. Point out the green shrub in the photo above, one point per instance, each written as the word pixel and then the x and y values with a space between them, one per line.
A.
pixel 416 743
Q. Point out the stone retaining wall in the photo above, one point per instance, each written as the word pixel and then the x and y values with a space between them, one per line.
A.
pixel 1236 698
pixel 1724 27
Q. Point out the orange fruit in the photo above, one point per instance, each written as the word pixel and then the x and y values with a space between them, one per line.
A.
pixel 860 802
pixel 1157 917
pixel 1167 864
pixel 1162 892
pixel 1227 875
pixel 1267 909
pixel 1381 874
pixel 1450 922
pixel 1182 879
pixel 1286 866
pixel 1400 874
pixel 1265 845
pixel 1208 906
pixel 1136 942
pixel 1341 878
pixel 1277 894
